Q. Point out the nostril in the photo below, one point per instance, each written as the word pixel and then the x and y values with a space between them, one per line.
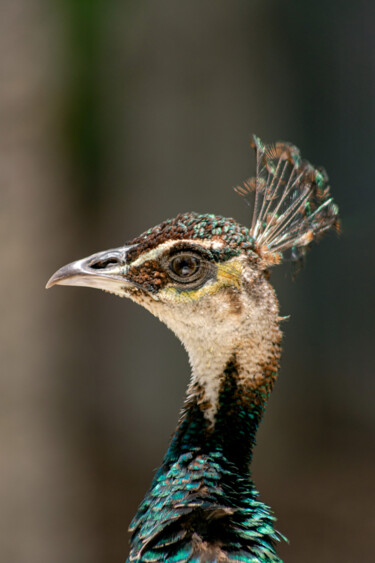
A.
pixel 104 263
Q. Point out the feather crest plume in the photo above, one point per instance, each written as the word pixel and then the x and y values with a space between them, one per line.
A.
pixel 291 202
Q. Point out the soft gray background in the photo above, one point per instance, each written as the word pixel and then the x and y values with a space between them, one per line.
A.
pixel 115 115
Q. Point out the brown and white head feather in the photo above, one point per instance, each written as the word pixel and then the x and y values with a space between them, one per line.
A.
pixel 291 202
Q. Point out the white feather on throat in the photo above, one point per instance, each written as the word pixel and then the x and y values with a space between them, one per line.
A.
pixel 213 332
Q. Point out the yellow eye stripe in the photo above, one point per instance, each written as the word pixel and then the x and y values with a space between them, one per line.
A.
pixel 228 275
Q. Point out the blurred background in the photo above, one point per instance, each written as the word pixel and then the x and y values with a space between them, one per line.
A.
pixel 115 115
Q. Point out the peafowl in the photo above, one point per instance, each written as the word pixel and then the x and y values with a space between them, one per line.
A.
pixel 207 278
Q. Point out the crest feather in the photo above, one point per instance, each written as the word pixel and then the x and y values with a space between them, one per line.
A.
pixel 291 202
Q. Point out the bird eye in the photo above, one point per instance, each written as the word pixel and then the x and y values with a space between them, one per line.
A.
pixel 189 269
pixel 184 267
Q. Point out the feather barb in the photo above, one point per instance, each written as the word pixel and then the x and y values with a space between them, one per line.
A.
pixel 291 202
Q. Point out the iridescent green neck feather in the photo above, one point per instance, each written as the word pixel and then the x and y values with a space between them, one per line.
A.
pixel 202 504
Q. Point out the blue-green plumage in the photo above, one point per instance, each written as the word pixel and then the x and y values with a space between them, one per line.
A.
pixel 204 490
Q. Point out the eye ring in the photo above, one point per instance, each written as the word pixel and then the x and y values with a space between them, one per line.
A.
pixel 186 267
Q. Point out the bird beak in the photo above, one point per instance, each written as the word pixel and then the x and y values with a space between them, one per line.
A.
pixel 103 270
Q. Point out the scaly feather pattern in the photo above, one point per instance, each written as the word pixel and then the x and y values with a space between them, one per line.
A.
pixel 202 505
pixel 199 496
pixel 178 502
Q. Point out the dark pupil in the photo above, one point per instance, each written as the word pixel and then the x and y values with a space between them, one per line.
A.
pixel 185 266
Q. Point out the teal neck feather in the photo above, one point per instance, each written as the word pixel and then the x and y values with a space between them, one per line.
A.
pixel 236 423
pixel 202 505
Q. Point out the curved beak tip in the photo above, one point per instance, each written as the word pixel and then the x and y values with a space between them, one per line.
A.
pixel 52 281
pixel 71 274
pixel 58 277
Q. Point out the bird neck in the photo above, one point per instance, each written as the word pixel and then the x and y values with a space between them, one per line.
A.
pixel 232 431
pixel 232 377
pixel 202 497
pixel 222 415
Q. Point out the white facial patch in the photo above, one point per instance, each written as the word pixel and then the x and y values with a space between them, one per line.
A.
pixel 209 331
pixel 159 250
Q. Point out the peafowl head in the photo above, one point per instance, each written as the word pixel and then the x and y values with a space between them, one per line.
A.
pixel 200 274
pixel 206 276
